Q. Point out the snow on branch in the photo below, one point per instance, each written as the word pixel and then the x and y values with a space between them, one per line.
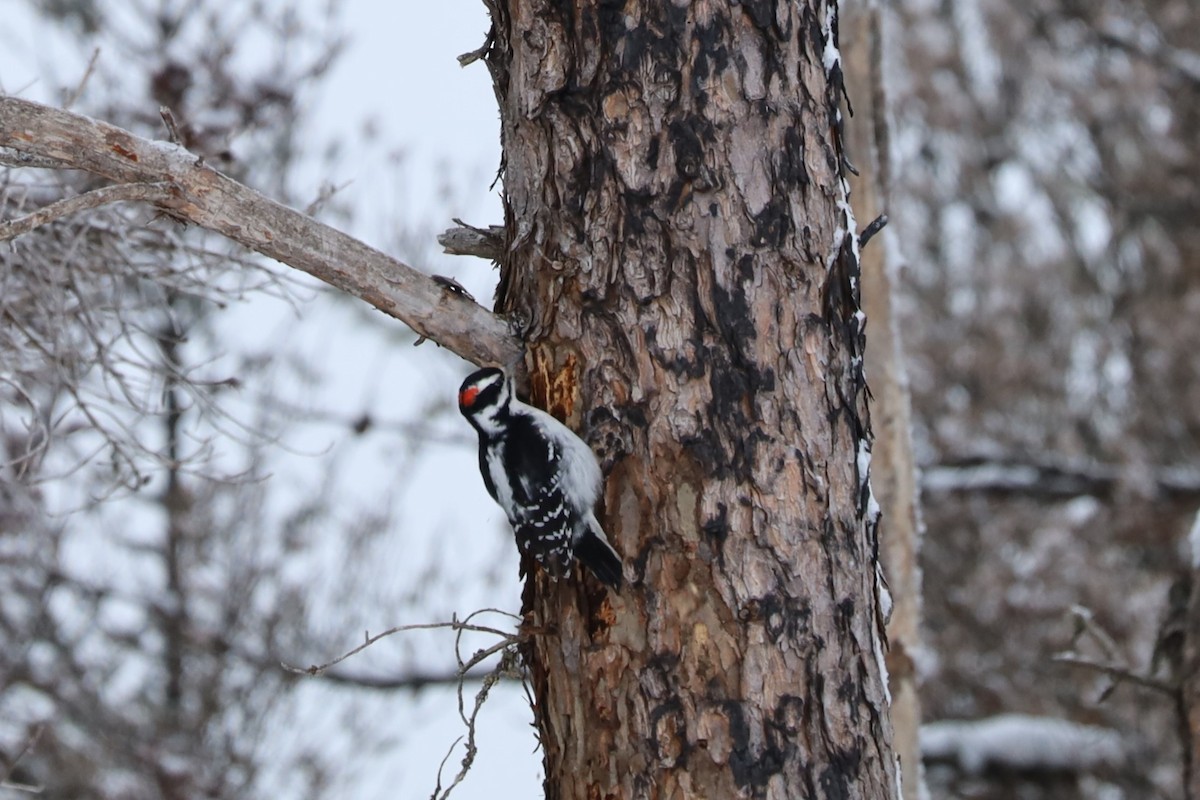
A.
pixel 1054 479
pixel 1194 542
pixel 196 193
pixel 1022 742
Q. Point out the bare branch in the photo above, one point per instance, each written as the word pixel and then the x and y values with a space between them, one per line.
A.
pixel 30 742
pixel 168 118
pixel 470 58
pixel 157 193
pixel 1052 478
pixel 221 204
pixel 505 667
pixel 455 625
pixel 508 666
pixel 74 96
pixel 1118 672
pixel 1152 48
pixel 414 682
pixel 1085 623
pixel 467 240
pixel 16 159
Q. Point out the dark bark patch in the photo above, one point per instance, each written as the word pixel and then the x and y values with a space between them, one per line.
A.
pixel 642 559
pixel 687 141
pixel 669 724
pixel 773 224
pixel 708 450
pixel 838 779
pixel 785 616
pixel 752 767
pixel 717 528
pixel 734 314
pixel 762 14
pixel 712 55
pixel 790 164
pixel 845 613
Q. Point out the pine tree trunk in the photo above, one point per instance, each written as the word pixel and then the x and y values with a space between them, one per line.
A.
pixel 681 261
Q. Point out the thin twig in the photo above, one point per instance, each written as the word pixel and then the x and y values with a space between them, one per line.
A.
pixel 30 742
pixel 1116 671
pixel 504 667
pixel 145 192
pixel 172 125
pixel 869 232
pixel 413 682
pixel 74 96
pixel 479 52
pixel 1086 622
pixel 438 786
pixel 324 195
pixel 369 640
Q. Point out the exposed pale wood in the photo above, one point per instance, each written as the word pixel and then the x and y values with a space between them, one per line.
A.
pixel 211 200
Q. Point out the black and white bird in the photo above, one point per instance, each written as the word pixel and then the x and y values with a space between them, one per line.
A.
pixel 545 478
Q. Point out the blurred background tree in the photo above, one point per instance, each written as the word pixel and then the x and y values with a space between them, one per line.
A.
pixel 1045 197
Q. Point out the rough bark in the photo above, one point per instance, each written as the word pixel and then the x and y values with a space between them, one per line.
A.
pixel 894 473
pixel 683 260
pixel 181 184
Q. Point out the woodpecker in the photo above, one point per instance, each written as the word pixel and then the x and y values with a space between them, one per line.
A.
pixel 545 478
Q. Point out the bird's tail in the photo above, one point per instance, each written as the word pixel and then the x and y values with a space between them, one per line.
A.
pixel 595 553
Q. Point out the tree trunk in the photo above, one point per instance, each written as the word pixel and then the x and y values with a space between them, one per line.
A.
pixel 895 471
pixel 682 261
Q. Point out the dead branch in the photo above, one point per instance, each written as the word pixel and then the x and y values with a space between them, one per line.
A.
pixel 412 682
pixel 1117 672
pixel 157 193
pixel 508 666
pixel 1045 477
pixel 213 201
pixel 31 741
pixel 470 720
pixel 454 624
pixel 467 240
pixel 88 71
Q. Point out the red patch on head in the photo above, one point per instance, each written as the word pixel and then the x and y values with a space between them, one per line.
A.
pixel 466 398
